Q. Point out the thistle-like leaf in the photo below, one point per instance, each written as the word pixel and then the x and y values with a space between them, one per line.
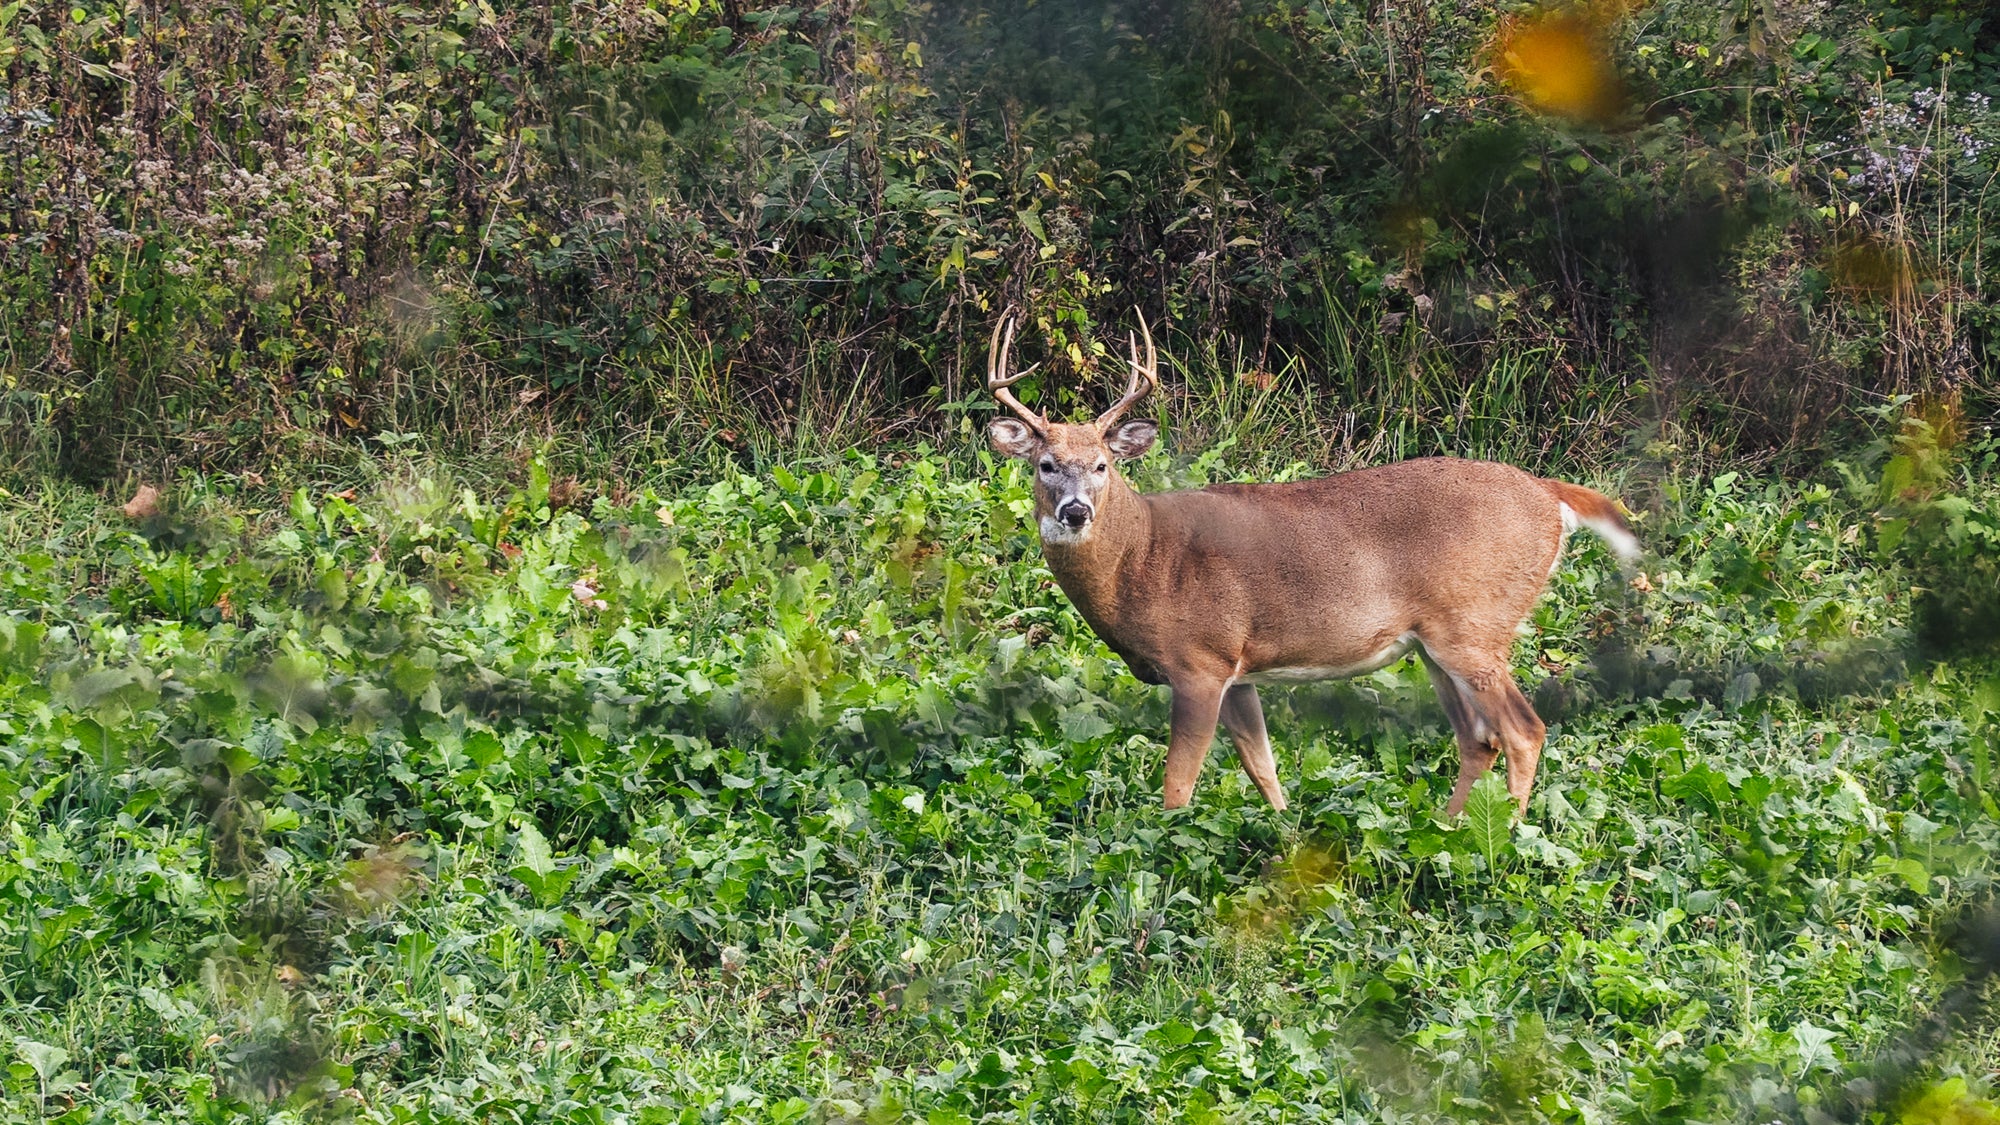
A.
pixel 1489 817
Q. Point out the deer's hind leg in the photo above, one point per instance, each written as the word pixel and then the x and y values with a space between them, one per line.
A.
pixel 1243 718
pixel 1489 714
pixel 1476 752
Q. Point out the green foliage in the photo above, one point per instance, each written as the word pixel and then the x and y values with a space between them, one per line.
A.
pixel 803 796
pixel 661 224
pixel 1948 539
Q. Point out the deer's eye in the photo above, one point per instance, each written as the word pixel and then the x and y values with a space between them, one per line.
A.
pixel 1100 466
pixel 1048 466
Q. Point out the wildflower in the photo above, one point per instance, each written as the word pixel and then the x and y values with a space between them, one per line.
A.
pixel 584 590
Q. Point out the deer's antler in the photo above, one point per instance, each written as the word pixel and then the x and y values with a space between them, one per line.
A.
pixel 997 380
pixel 1145 376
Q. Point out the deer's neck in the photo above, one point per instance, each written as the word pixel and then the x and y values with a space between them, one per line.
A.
pixel 1090 572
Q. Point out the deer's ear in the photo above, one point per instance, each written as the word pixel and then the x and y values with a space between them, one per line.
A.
pixel 1012 437
pixel 1130 439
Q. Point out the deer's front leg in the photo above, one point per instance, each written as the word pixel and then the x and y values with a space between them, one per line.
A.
pixel 1197 703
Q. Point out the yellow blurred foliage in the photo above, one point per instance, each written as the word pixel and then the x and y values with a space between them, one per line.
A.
pixel 1308 878
pixel 1868 267
pixel 1949 1102
pixel 1559 64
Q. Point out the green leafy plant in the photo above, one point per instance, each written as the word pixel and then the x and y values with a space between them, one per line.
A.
pixel 1489 819
pixel 801 793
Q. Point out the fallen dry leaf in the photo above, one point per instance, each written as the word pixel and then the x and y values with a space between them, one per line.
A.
pixel 144 503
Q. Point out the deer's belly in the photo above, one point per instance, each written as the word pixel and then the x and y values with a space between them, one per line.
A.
pixel 1303 673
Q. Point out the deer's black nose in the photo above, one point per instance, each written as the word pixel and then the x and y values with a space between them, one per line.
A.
pixel 1075 513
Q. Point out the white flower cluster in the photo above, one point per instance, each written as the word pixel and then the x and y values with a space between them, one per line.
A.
pixel 19 122
pixel 1898 140
pixel 326 169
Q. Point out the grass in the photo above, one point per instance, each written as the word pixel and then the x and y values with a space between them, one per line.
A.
pixel 676 417
pixel 362 806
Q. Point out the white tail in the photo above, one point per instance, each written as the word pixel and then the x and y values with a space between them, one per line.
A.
pixel 1217 590
pixel 1597 514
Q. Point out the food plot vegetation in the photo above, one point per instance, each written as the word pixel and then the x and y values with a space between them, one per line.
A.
pixel 804 796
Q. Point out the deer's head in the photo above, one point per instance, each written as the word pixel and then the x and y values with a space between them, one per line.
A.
pixel 1074 463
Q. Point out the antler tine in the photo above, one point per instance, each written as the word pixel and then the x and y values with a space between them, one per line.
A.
pixel 1145 376
pixel 997 381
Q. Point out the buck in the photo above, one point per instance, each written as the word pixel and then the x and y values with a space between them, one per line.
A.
pixel 1217 590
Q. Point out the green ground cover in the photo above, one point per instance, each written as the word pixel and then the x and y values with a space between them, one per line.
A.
pixel 802 795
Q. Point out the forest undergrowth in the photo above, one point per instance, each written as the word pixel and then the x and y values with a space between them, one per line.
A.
pixel 309 233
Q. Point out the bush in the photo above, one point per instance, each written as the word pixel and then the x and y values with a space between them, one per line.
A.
pixel 230 234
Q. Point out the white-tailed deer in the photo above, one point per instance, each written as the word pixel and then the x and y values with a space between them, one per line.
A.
pixel 1216 590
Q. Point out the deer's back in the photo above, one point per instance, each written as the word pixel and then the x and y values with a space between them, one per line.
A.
pixel 1329 572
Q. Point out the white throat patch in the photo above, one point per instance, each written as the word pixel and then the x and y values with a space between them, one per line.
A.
pixel 1061 534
